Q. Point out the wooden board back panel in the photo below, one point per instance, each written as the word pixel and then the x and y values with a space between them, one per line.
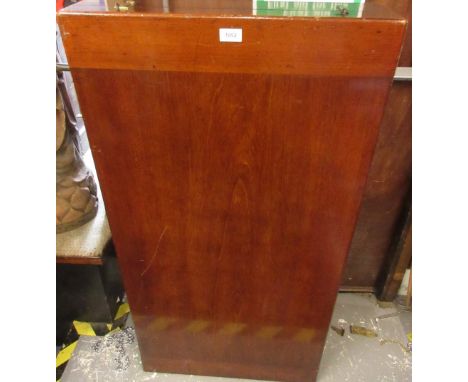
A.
pixel 232 190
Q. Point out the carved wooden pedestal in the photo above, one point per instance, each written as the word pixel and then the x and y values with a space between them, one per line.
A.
pixel 232 172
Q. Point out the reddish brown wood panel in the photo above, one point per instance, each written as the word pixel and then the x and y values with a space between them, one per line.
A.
pixel 231 190
pixel 404 8
pixel 271 45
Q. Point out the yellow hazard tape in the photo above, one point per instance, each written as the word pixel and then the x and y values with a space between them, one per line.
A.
pixel 123 309
pixel 65 354
pixel 114 331
pixel 84 328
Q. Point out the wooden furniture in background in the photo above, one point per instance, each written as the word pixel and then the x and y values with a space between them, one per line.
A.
pixel 385 193
pixel 409 293
pixel 88 289
pixel 88 279
pixel 399 259
pixel 232 172
pixel 389 182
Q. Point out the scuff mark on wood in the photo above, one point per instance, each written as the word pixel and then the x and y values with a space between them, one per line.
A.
pixel 155 252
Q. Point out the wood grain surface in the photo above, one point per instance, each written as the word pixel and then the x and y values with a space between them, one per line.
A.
pixel 323 47
pixel 232 176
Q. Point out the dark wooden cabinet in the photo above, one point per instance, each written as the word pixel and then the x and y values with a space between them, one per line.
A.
pixel 232 172
pixel 383 202
pixel 384 205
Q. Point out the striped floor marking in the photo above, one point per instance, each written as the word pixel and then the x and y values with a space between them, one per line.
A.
pixel 65 354
pixel 84 328
pixel 80 328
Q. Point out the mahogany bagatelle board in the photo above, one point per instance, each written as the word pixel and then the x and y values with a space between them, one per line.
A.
pixel 232 172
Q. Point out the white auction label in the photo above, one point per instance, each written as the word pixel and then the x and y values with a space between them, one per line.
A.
pixel 230 34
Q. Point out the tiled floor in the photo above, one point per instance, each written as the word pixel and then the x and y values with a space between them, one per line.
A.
pixel 351 358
